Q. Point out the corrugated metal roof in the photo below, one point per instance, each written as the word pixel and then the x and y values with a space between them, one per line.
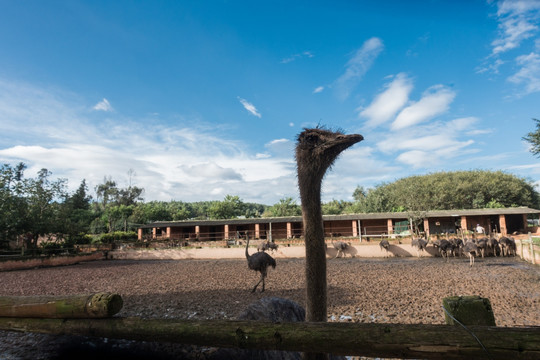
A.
pixel 363 216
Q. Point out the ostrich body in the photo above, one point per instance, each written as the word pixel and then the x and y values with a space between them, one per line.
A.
pixel 340 246
pixel 316 150
pixel 419 244
pixel 471 249
pixel 385 245
pixel 259 261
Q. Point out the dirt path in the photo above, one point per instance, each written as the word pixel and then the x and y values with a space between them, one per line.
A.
pixel 394 290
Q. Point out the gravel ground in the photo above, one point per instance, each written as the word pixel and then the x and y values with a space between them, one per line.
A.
pixel 393 290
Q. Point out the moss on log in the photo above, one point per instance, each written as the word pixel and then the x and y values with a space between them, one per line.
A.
pixel 372 340
pixel 99 305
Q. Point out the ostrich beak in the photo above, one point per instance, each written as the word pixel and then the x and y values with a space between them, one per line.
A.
pixel 342 142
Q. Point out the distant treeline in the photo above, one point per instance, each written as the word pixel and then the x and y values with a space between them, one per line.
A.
pixel 31 208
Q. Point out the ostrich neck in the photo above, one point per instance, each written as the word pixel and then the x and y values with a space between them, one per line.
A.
pixel 310 195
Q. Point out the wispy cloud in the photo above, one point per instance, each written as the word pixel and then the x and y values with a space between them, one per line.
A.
pixel 528 74
pixel 357 66
pixel 304 54
pixel 318 89
pixel 518 28
pixel 430 145
pixel 387 103
pixel 187 161
pixel 249 107
pixel 517 22
pixel 434 101
pixel 103 105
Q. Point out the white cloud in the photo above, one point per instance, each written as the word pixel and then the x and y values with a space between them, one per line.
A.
pixel 249 107
pixel 529 73
pixel 434 101
pixel 358 65
pixel 103 105
pixel 294 57
pixel 318 89
pixel 516 23
pixel 389 102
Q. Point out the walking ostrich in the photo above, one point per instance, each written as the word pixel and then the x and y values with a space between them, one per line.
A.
pixel 316 151
pixel 259 261
pixel 340 246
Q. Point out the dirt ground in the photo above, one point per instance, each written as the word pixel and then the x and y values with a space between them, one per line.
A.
pixel 384 290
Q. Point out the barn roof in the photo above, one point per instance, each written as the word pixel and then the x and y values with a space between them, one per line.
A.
pixel 362 216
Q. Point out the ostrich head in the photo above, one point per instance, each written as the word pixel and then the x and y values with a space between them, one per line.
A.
pixel 316 151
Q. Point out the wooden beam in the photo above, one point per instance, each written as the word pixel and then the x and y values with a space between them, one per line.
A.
pixel 371 340
pixel 99 305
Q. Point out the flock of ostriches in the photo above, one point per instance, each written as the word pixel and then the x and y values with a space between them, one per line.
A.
pixel 484 246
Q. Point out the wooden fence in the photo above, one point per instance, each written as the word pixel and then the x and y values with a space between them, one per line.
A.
pixel 419 341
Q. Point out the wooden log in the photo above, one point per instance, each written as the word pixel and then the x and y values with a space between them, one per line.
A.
pixel 372 340
pixel 99 305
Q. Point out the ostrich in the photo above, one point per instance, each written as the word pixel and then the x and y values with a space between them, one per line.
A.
pixel 259 261
pixel 471 249
pixel 341 246
pixel 419 244
pixel 316 151
pixel 385 245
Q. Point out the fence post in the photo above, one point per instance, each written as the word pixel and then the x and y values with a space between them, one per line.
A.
pixel 533 260
pixel 468 310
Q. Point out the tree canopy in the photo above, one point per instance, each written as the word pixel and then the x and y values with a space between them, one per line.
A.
pixel 533 138
pixel 448 190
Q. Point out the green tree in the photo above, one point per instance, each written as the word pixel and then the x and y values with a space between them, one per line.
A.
pixel 231 207
pixel 285 207
pixel 335 207
pixel 43 212
pixel 533 138
pixel 13 205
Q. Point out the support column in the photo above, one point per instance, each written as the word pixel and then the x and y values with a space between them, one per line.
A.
pixel 464 223
pixel 502 224
pixel 426 227
pixel 168 232
pixel 226 231
pixel 154 233
pixel 139 234
pixel 354 228
pixel 257 231
pixel 197 231
pixel 389 226
pixel 289 230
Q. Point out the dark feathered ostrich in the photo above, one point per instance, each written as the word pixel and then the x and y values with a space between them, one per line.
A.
pixel 471 249
pixel 385 245
pixel 259 261
pixel 316 150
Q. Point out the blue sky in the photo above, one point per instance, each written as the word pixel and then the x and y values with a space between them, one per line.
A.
pixel 201 99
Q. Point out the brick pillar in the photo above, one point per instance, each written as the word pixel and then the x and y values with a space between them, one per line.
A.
pixel 354 228
pixel 426 227
pixel 257 231
pixel 154 233
pixel 389 226
pixel 502 224
pixel 197 231
pixel 289 230
pixel 464 223
pixel 139 234
pixel 168 232
pixel 226 231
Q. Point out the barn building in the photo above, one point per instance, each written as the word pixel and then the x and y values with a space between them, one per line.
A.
pixel 503 221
